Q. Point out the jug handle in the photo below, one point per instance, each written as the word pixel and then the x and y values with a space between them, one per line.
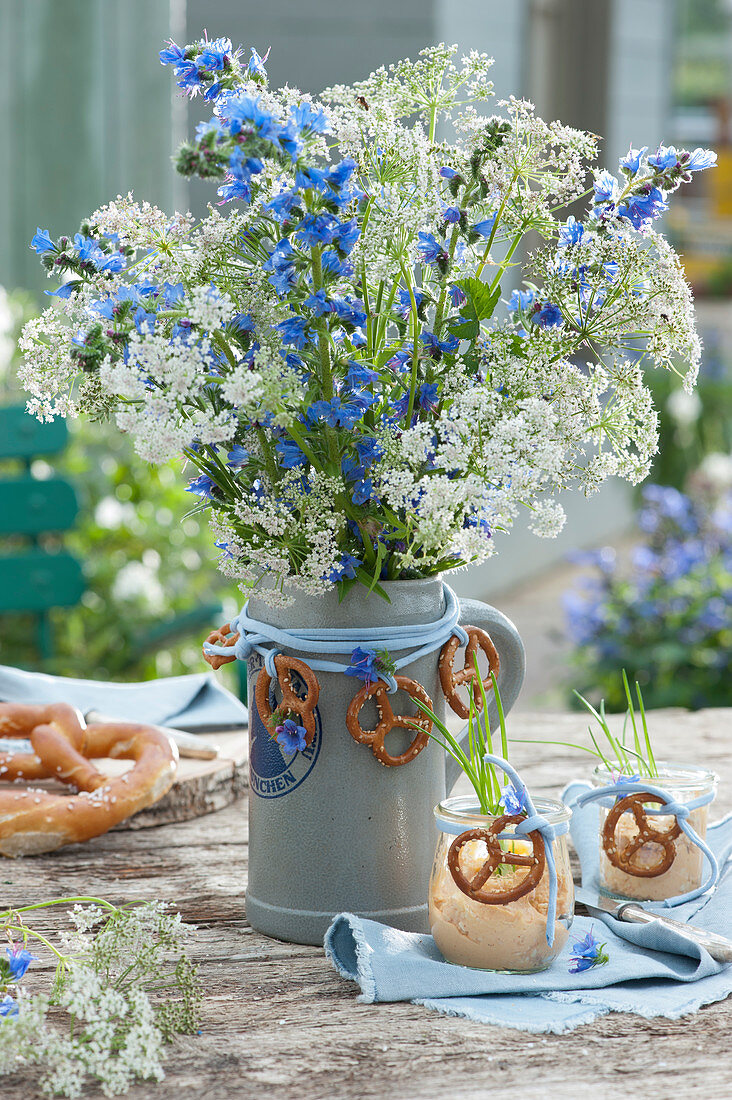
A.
pixel 511 653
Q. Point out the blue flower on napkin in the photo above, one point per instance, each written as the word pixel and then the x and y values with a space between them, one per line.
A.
pixel 587 953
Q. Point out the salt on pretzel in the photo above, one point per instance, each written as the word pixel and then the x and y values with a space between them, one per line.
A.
pixel 33 820
pixel 388 720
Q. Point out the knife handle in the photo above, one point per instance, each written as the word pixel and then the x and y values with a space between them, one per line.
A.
pixel 718 947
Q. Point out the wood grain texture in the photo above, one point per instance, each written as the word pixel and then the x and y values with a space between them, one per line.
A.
pixel 279 1023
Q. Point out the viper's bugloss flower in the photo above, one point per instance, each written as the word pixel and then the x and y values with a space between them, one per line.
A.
pixel 364 665
pixel 202 486
pixel 549 315
pixel 8 1006
pixel 19 959
pixel 41 241
pixel 289 454
pixel 513 801
pixel 484 228
pixel 345 569
pixel 430 249
pixel 632 159
pixel 291 736
pixel 521 299
pixel 642 209
pixel 570 233
pixel 605 186
pixel 586 953
pixel 237 456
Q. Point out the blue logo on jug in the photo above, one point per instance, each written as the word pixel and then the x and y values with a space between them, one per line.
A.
pixel 273 771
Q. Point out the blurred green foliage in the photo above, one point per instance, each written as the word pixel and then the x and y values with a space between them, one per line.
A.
pixel 144 563
pixel 691 426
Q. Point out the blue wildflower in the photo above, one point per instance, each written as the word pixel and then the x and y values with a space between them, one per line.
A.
pixel 237 456
pixel 295 331
pixel 290 454
pixel 291 737
pixel 364 665
pixel 8 1006
pixel 346 236
pixel 345 569
pixel 435 347
pixel 452 214
pixel 548 316
pixel 586 953
pixel 319 303
pixel 234 189
pixel 363 491
pixel 317 229
pixel 641 209
pixel 521 299
pixel 513 800
pixel 256 65
pixel 245 115
pixel 307 119
pixel 42 242
pixel 172 55
pixel 699 160
pixel 458 297
pixel 214 55
pixel 631 160
pixel 604 186
pixel 484 228
pixel 405 301
pixel 369 450
pixel 447 172
pixel 570 233
pixel 19 959
pixel 282 205
pixel 428 396
pixel 359 375
pixel 665 157
pixel 349 310
pixel 203 486
pixel 338 413
pixel 431 249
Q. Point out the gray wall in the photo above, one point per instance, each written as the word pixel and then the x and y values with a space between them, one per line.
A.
pixel 86 112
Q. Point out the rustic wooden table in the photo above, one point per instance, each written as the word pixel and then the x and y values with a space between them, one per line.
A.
pixel 279 1023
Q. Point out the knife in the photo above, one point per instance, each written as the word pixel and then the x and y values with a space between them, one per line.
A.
pixel 189 744
pixel 719 947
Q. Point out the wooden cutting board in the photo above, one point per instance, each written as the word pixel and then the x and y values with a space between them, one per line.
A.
pixel 201 786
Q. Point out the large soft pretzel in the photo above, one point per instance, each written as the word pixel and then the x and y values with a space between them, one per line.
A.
pixel 34 820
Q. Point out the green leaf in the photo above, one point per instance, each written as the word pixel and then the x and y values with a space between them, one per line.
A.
pixel 481 300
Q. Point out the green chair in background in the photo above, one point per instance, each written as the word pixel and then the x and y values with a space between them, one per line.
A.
pixel 34 579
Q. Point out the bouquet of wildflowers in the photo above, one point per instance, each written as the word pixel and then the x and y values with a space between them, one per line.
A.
pixel 667 618
pixel 341 349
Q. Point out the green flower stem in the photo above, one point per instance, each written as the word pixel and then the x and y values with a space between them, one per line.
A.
pixel 439 312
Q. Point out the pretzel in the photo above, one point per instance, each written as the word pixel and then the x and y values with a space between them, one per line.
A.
pixel 646 835
pixel 388 720
pixel 33 821
pixel 222 636
pixel 291 701
pixel 450 679
pixel 496 856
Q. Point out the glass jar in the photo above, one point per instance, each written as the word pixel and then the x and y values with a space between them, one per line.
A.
pixel 683 860
pixel 508 935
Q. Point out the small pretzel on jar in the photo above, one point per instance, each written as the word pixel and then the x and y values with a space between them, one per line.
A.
pixel 496 856
pixel 222 637
pixel 291 701
pixel 623 856
pixel 388 720
pixel 33 821
pixel 451 679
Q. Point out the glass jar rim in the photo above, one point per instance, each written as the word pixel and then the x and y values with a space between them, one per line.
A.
pixel 465 809
pixel 682 777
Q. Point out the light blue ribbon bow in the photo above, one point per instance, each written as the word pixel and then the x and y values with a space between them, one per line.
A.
pixel 534 822
pixel 256 636
pixel 680 810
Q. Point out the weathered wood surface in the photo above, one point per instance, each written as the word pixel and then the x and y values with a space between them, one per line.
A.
pixel 279 1023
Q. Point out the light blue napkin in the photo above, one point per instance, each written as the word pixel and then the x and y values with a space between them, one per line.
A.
pixel 652 971
pixel 199 702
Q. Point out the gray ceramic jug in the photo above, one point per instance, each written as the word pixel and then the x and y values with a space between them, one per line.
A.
pixel 330 828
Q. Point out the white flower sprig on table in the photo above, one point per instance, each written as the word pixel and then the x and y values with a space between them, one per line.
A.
pixel 123 987
pixel 340 357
